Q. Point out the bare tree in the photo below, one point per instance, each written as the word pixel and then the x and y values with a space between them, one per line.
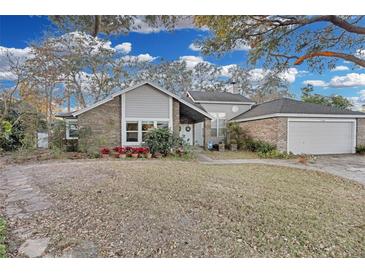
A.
pixel 18 74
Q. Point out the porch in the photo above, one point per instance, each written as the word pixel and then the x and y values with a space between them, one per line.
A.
pixel 191 125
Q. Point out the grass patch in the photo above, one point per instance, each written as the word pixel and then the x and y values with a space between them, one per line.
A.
pixel 185 209
pixel 241 154
pixel 2 238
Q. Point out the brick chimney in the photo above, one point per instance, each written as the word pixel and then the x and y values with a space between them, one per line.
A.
pixel 233 87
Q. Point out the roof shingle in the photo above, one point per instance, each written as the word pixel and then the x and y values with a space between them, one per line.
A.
pixel 215 96
pixel 291 106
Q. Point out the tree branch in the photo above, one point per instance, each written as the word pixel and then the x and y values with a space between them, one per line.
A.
pixel 344 56
pixel 339 22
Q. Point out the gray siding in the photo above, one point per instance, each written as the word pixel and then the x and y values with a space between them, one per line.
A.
pixel 226 108
pixel 146 102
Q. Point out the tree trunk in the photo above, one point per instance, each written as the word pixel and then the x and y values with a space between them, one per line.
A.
pixel 97 25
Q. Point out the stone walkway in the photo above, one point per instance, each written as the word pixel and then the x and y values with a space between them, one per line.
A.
pixel 21 202
pixel 342 166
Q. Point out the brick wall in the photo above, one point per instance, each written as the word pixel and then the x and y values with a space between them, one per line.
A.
pixel 271 130
pixel 360 136
pixel 207 131
pixel 104 122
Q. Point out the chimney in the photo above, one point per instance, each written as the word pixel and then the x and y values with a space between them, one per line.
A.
pixel 233 87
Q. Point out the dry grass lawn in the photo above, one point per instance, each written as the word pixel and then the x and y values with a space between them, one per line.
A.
pixel 227 155
pixel 185 209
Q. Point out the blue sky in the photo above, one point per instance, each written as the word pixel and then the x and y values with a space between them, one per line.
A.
pixel 17 31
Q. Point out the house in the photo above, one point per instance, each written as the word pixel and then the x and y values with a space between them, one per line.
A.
pixel 201 118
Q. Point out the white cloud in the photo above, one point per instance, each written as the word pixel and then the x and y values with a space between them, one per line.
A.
pixel 194 47
pixel 258 74
pixel 7 75
pixel 358 101
pixel 340 68
pixel 315 83
pixel 146 57
pixel 360 53
pixel 185 22
pixel 67 41
pixel 124 48
pixel 241 45
pixel 15 54
pixel 225 70
pixel 349 80
pixel 191 61
pixel 289 75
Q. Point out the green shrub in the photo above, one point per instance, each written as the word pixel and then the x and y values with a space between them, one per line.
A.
pixel 236 134
pixel 275 154
pixel 258 146
pixel 161 140
pixel 85 142
pixel 2 238
pixel 58 135
pixel 19 126
pixel 360 149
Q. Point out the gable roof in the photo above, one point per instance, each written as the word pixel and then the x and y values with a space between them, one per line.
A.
pixel 291 107
pixel 193 106
pixel 189 100
pixel 218 97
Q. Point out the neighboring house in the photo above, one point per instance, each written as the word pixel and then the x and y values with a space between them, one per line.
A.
pixel 201 117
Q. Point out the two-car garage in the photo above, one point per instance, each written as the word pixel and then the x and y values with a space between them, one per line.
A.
pixel 321 136
pixel 304 128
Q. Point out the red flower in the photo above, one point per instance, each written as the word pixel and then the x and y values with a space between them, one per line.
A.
pixel 120 150
pixel 104 150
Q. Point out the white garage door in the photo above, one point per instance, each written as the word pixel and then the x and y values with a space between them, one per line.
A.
pixel 311 136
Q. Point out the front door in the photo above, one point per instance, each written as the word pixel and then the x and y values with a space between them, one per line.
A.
pixel 186 133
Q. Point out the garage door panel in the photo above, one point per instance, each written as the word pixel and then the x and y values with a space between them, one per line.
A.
pixel 321 137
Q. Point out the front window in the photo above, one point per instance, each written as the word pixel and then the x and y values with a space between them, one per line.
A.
pixel 136 130
pixel 132 131
pixel 72 131
pixel 146 126
pixel 218 125
pixel 162 124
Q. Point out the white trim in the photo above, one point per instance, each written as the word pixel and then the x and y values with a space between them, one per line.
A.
pixel 123 121
pixel 225 102
pixel 354 121
pixel 139 121
pixel 349 116
pixel 165 91
pixel 67 121
pixel 319 120
pixel 171 114
pixel 218 102
pixel 147 119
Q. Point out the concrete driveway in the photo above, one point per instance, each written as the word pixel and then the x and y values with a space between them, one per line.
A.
pixel 348 166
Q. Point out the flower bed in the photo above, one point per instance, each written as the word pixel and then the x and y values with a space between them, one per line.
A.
pixel 126 151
